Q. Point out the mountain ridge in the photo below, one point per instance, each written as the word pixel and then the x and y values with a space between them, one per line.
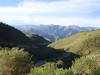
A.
pixel 53 32
pixel 11 37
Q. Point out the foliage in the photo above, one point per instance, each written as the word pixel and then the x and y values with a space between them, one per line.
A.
pixel 89 64
pixel 14 61
pixel 86 65
pixel 66 62
pixel 50 69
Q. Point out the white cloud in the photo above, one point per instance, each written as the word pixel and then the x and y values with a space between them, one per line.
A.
pixel 70 6
pixel 66 21
pixel 75 11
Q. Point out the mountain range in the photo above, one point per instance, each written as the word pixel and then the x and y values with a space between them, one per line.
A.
pixel 36 45
pixel 77 54
pixel 53 32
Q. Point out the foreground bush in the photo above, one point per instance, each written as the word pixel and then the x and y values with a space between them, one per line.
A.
pixel 50 69
pixel 14 61
pixel 86 65
pixel 89 65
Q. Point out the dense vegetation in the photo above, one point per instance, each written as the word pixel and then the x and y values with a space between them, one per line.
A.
pixel 18 62
pixel 22 54
pixel 14 61
pixel 87 65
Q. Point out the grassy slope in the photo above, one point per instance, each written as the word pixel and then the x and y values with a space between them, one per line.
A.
pixel 81 43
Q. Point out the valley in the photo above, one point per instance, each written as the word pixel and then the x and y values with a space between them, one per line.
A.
pixel 31 54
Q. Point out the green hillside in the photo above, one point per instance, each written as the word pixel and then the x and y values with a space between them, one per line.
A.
pixel 81 43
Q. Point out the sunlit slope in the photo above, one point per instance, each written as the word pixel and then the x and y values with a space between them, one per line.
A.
pixel 81 43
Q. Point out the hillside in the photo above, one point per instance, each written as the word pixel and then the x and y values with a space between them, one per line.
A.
pixel 38 39
pixel 53 32
pixel 33 57
pixel 11 37
pixel 81 43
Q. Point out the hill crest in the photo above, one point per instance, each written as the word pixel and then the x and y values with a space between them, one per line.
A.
pixel 81 43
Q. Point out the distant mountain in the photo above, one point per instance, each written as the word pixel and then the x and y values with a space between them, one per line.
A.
pixel 53 32
pixel 82 43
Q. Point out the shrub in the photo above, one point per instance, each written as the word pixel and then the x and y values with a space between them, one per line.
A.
pixel 14 61
pixel 50 69
pixel 96 71
pixel 87 65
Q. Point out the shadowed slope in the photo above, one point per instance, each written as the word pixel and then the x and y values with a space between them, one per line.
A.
pixel 38 39
pixel 11 37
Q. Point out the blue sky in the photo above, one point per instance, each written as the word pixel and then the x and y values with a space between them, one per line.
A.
pixel 6 3
pixel 59 12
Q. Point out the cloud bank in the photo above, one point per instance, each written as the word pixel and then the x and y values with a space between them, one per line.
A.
pixel 61 12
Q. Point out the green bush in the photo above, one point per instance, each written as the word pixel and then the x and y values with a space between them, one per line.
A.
pixel 50 69
pixel 14 61
pixel 89 64
pixel 86 65
pixel 96 71
pixel 83 65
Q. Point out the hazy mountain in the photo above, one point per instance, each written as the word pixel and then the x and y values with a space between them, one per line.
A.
pixel 53 32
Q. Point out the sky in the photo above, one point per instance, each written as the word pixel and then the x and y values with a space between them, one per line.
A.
pixel 58 12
